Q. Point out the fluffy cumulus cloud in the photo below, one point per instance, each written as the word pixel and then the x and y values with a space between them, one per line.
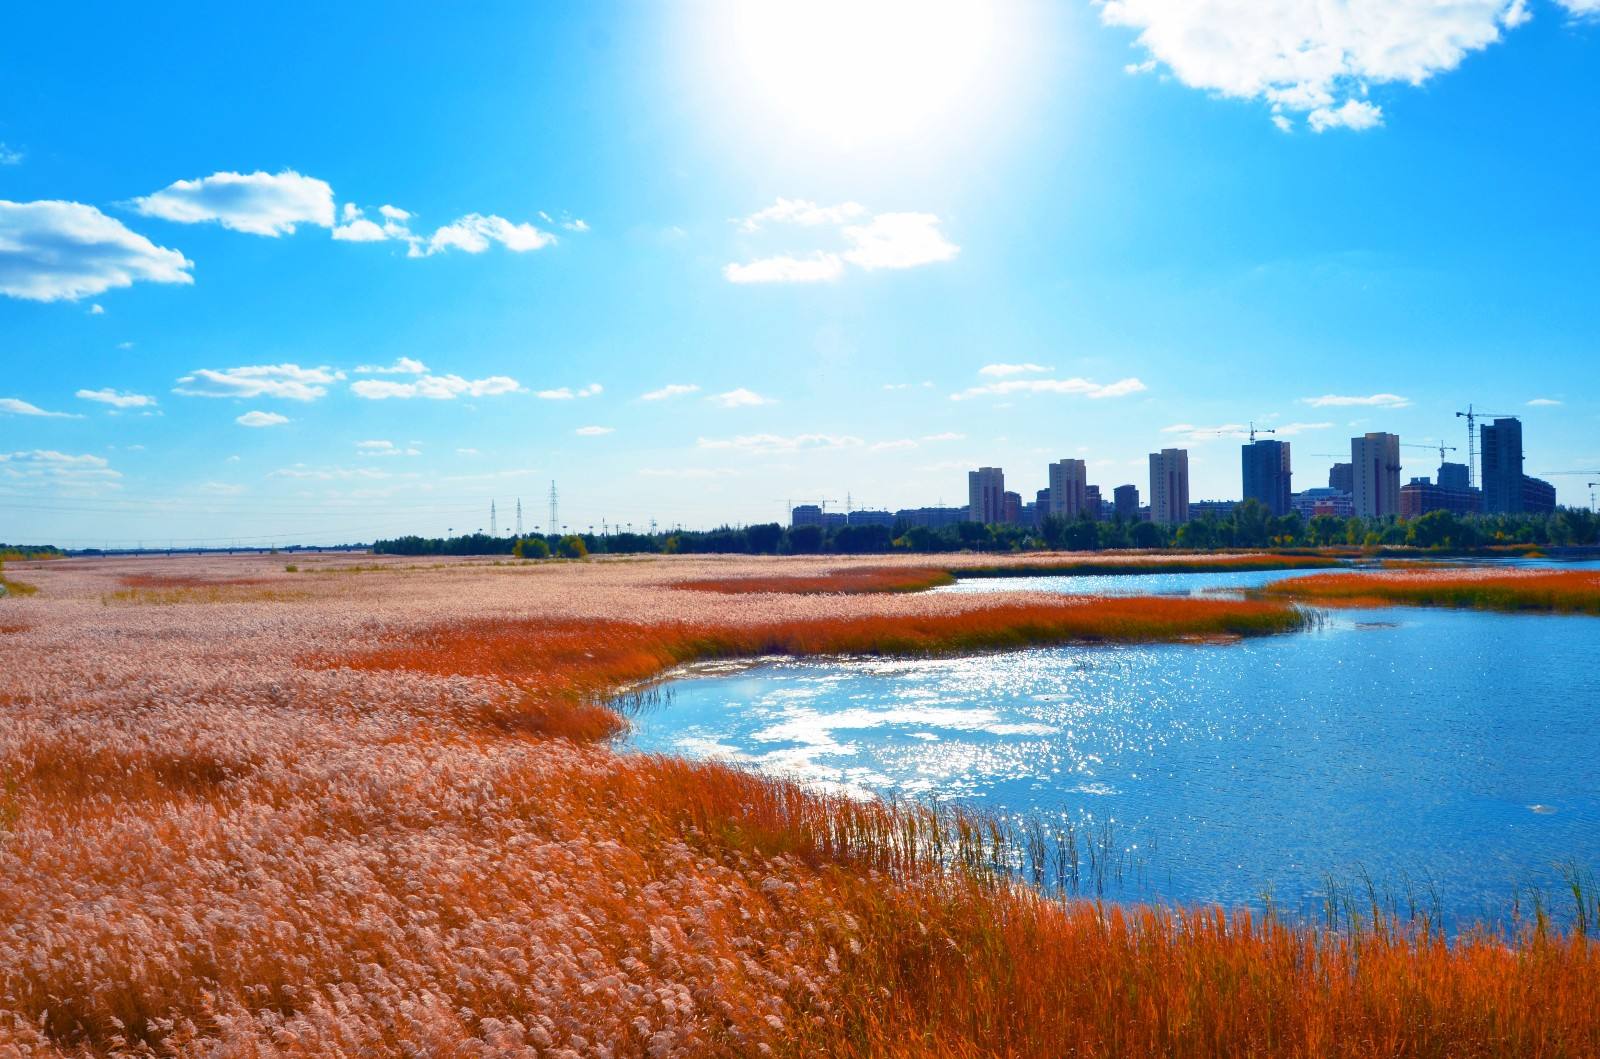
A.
pixel 48 467
pixel 261 419
pixel 434 387
pixel 1376 400
pixel 288 381
pixel 669 391
pixel 567 393
pixel 898 240
pixel 52 251
pixel 385 448
pixel 258 203
pixel 1310 57
pixel 1079 387
pixel 739 398
pixel 867 241
pixel 814 268
pixel 117 398
pixel 15 406
pixel 767 444
pixel 472 234
pixel 401 366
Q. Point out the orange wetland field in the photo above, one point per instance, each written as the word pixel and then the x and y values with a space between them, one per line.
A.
pixel 371 808
pixel 1561 591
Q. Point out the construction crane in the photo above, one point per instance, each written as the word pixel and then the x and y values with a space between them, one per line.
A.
pixel 1442 447
pixel 1252 430
pixel 1472 415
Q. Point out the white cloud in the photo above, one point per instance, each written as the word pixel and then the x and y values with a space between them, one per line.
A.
pixel 1549 402
pixel 592 432
pixel 360 230
pixel 566 393
pixel 672 389
pixel 394 213
pixel 898 240
pixel 46 466
pixel 1377 400
pixel 923 385
pixel 1308 56
pixel 1581 8
pixel 948 435
pixel 51 250
pixel 1236 431
pixel 13 406
pixel 802 211
pixel 894 446
pixel 258 203
pixel 739 398
pixel 474 232
pixel 97 309
pixel 818 268
pixel 434 387
pixel 1001 371
pixel 288 381
pixel 767 444
pixel 330 474
pixel 261 419
pixel 401 366
pixel 884 240
pixel 10 155
pixel 1353 114
pixel 1074 386
pixel 117 398
pixel 385 448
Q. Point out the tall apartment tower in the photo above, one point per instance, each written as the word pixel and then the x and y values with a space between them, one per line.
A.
pixel 986 495
pixel 1069 482
pixel 1502 466
pixel 1341 476
pixel 1126 498
pixel 1169 487
pixel 1375 474
pixel 1266 474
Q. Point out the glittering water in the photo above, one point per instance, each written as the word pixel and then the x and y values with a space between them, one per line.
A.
pixel 1446 750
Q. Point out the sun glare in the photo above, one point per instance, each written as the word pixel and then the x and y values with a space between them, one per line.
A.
pixel 855 71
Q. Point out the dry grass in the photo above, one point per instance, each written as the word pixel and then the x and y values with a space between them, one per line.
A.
pixel 1561 592
pixel 207 849
pixel 847 582
pixel 1156 564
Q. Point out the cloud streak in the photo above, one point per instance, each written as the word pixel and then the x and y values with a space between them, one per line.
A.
pixel 64 251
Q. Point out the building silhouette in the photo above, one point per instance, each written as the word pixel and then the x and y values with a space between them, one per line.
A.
pixel 1126 499
pixel 986 489
pixel 1375 474
pixel 1266 474
pixel 1340 477
pixel 1502 466
pixel 1169 487
pixel 1069 482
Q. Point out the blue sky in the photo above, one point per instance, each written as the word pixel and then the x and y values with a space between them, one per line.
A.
pixel 694 262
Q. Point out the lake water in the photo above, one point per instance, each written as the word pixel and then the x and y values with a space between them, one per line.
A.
pixel 1453 752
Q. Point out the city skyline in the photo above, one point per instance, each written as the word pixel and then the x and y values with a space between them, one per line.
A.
pixel 631 253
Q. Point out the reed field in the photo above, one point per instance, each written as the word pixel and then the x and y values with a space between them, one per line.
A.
pixel 1553 591
pixel 279 814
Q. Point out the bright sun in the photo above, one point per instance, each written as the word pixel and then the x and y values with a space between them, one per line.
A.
pixel 854 71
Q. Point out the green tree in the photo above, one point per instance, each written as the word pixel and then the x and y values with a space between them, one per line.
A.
pixel 571 547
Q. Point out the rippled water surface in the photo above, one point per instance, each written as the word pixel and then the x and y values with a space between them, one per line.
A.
pixel 1455 750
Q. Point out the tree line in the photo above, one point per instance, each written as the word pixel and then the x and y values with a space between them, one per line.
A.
pixel 1249 525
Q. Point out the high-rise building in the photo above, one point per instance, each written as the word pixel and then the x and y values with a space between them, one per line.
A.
pixel 1169 486
pixel 1010 508
pixel 986 488
pixel 1091 502
pixel 1538 496
pixel 1454 476
pixel 1069 479
pixel 1126 498
pixel 1041 506
pixel 1266 474
pixel 1502 465
pixel 1340 478
pixel 805 515
pixel 1375 474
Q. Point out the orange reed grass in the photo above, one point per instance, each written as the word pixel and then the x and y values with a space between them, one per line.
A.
pixel 1562 591
pixel 849 581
